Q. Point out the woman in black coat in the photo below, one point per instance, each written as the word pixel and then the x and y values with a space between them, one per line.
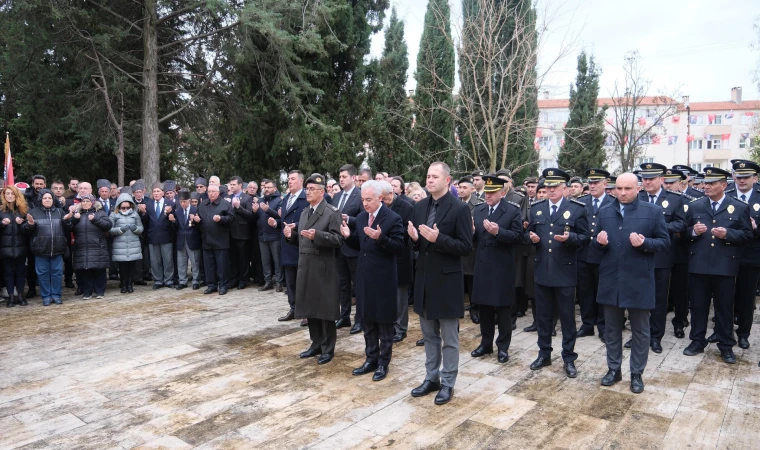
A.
pixel 90 225
pixel 13 243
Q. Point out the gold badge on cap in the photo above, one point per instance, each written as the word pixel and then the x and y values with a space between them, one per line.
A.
pixel 489 182
pixel 649 166
pixel 742 165
pixel 756 207
pixel 730 209
pixel 550 173
pixel 566 215
pixel 665 204
pixel 592 172
pixel 318 179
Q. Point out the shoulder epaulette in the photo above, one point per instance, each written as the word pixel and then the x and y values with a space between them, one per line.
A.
pixel 577 202
pixel 513 203
pixel 698 198
pixel 675 192
pixel 538 201
pixel 519 193
pixel 688 197
pixel 334 208
pixel 729 190
pixel 584 195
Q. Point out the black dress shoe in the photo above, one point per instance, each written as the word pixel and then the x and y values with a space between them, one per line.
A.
pixel 364 369
pixel 342 323
pixel 141 283
pixel 79 291
pixel 289 316
pixel 304 322
pixel 278 287
pixel 637 384
pixel 425 388
pixel 540 362
pixel 693 349
pixel 124 290
pixel 266 287
pixel 209 290
pixel 241 286
pixel 475 317
pixel 223 291
pixel 612 377
pixel 309 353
pixel 656 346
pixel 196 286
pixel 110 277
pixel 520 314
pixel 629 343
pixel 157 286
pixel 325 358
pixel 21 301
pixel 180 287
pixel 148 278
pixel 357 328
pixel 380 373
pixel 31 293
pixel 530 328
pixel 420 343
pixel 712 338
pixel 444 395
pixel 601 337
pixel 70 285
pixel 570 369
pixel 482 350
pixel 398 337
pixel 678 332
pixel 514 326
pixel 583 332
pixel 728 356
pixel 170 286
pixel 503 356
pixel 743 342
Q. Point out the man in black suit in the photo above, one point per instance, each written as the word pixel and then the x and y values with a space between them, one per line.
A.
pixel 160 237
pixel 379 237
pixel 188 240
pixel 348 202
pixel 405 210
pixel 240 232
pixel 441 231
pixel 214 219
pixel 290 211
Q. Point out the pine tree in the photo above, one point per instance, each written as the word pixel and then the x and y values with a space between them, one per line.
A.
pixel 392 124
pixel 584 131
pixel 435 79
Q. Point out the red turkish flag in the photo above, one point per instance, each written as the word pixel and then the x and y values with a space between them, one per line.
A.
pixel 749 113
pixel 642 121
pixel 655 139
pixel 676 119
pixel 725 136
pixel 689 138
pixel 711 118
pixel 538 132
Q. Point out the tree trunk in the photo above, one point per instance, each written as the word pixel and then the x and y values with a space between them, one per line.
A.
pixel 120 151
pixel 150 155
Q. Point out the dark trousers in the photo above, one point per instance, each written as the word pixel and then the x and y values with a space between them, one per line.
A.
pixel 378 341
pixel 31 272
pixel 721 289
pixel 744 300
pixel 490 317
pixel 613 337
pixel 68 269
pixel 658 316
pixel 126 272
pixel 256 271
pixel 563 299
pixel 113 268
pixel 290 282
pixel 239 251
pixel 588 285
pixel 323 335
pixel 217 264
pixel 346 277
pixel 14 270
pixel 92 281
pixel 679 292
pixel 142 266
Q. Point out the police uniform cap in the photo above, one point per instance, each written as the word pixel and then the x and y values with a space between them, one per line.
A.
pixel 493 183
pixel 594 175
pixel 713 174
pixel 672 175
pixel 103 183
pixel 686 169
pixel 651 170
pixel 743 168
pixel 611 182
pixel 316 179
pixel 554 176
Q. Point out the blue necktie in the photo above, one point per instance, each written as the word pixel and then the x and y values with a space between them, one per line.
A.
pixel 621 210
pixel 158 209
pixel 554 211
pixel 596 205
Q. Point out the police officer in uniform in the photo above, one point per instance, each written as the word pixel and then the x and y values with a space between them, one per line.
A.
pixel 497 227
pixel 718 225
pixel 589 257
pixel 745 173
pixel 558 227
pixel 610 189
pixel 690 175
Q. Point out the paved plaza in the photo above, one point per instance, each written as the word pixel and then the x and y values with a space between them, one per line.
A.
pixel 177 369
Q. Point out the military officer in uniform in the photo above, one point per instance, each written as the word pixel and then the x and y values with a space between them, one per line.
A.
pixel 589 257
pixel 467 195
pixel 497 228
pixel 671 203
pixel 317 235
pixel 718 225
pixel 477 182
pixel 558 227
pixel 745 173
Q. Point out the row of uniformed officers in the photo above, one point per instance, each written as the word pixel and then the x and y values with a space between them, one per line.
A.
pixel 617 253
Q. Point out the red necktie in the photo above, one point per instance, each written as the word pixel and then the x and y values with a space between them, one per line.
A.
pixel 371 219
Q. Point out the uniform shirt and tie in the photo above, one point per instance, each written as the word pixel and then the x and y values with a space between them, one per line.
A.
pixel 743 196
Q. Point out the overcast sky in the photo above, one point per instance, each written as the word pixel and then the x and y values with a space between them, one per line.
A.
pixel 696 47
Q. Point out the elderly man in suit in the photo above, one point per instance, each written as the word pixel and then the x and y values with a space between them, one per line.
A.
pixel 497 229
pixel 290 211
pixel 441 230
pixel 188 240
pixel 631 231
pixel 160 236
pixel 379 237
pixel 317 235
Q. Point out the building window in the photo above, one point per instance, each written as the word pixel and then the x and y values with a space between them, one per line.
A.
pixel 713 144
pixel 743 142
pixel 748 120
pixel 644 160
pixel 697 167
pixel 546 142
pixel 716 165
pixel 696 144
pixel 717 120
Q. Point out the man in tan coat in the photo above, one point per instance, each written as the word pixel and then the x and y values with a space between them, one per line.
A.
pixel 317 236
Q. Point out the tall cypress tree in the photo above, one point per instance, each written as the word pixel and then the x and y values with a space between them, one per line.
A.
pixel 435 79
pixel 392 124
pixel 584 131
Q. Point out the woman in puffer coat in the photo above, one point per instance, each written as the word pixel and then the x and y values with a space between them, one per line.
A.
pixel 48 227
pixel 90 225
pixel 13 243
pixel 126 247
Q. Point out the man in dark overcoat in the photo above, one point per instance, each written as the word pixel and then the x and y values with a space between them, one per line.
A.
pixel 290 211
pixel 498 229
pixel 442 233
pixel 215 218
pixel 379 237
pixel 405 210
pixel 630 232
pixel 317 235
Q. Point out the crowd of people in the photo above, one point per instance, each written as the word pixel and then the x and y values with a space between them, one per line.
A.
pixel 626 249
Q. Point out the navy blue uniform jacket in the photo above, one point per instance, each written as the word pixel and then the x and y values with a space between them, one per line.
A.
pixel 626 273
pixel 673 212
pixel 588 253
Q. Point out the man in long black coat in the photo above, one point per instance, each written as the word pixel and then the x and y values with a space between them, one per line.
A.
pixel 379 237
pixel 441 231
pixel 498 228
pixel 214 218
